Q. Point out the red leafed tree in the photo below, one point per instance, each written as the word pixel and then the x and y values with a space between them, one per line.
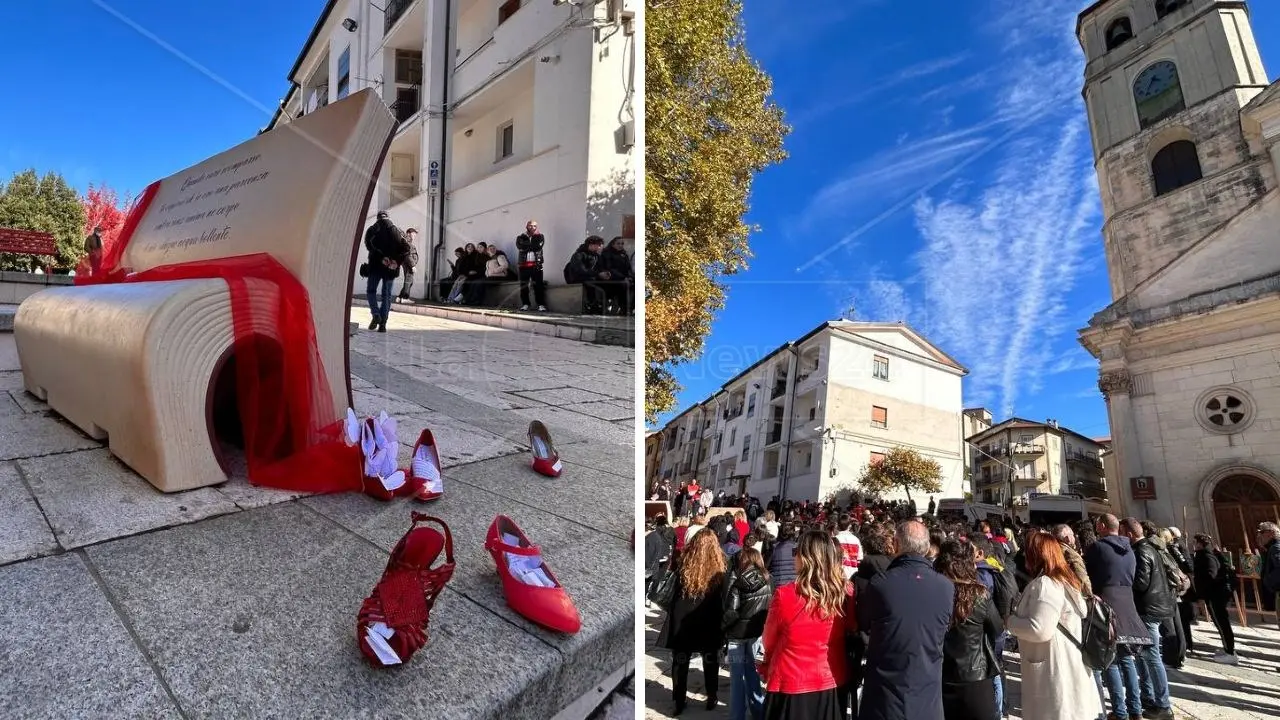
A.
pixel 103 208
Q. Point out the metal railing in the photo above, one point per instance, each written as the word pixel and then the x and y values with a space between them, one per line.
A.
pixel 395 8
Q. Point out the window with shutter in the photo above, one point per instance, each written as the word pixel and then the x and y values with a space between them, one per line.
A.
pixel 879 416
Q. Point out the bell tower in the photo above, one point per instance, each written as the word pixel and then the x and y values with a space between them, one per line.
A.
pixel 1164 84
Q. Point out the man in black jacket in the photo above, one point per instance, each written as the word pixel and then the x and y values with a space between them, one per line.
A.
pixel 387 252
pixel 1153 596
pixel 1269 541
pixel 1212 586
pixel 529 266
pixel 584 267
pixel 906 611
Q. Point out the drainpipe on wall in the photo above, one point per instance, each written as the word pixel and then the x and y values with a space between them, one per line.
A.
pixel 793 366
pixel 433 286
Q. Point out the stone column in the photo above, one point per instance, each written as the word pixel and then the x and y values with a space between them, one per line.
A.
pixel 1116 386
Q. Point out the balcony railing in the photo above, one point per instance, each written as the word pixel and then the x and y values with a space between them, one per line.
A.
pixel 1086 458
pixel 1027 449
pixel 395 8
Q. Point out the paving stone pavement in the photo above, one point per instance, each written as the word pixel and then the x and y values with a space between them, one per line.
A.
pixel 238 601
pixel 1201 690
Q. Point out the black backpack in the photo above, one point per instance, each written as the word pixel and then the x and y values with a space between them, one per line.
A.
pixel 1005 591
pixel 1098 634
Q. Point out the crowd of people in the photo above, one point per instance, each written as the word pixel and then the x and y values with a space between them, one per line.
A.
pixel 872 610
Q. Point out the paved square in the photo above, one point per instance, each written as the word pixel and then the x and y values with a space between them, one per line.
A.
pixel 239 601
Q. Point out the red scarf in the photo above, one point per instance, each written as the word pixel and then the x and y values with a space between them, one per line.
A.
pixel 291 439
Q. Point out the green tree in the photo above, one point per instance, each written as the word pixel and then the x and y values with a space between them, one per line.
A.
pixel 47 204
pixel 905 469
pixel 710 126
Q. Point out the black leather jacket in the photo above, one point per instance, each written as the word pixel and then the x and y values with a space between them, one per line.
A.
pixel 533 246
pixel 968 651
pixel 1151 592
pixel 746 605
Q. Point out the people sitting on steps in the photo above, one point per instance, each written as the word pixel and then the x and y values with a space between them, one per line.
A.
pixel 585 268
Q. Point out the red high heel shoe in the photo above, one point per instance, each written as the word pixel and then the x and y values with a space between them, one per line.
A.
pixel 424 469
pixel 530 587
pixel 546 461
pixel 392 624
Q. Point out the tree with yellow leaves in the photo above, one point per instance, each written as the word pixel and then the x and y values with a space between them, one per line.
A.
pixel 710 126
pixel 905 469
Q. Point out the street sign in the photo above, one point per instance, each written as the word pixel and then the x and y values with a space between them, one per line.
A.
pixel 1142 487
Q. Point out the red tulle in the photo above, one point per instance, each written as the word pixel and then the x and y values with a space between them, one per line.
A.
pixel 292 439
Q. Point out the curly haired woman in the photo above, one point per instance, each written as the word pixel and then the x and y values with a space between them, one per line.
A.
pixel 693 623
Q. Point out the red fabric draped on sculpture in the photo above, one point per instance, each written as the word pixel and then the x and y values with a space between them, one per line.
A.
pixel 292 440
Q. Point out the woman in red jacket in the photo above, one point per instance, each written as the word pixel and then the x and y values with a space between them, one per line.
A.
pixel 804 654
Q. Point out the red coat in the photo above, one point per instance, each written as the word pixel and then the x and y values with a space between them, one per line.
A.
pixel 742 528
pixel 795 641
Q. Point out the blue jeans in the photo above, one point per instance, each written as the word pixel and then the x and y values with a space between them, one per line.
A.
pixel 745 693
pixel 1122 685
pixel 1155 682
pixel 380 312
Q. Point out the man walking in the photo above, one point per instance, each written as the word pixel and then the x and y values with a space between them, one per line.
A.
pixel 386 246
pixel 906 612
pixel 1154 598
pixel 410 264
pixel 93 246
pixel 529 266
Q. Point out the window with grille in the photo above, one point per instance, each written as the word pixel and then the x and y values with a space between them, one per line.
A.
pixel 879 417
pixel 751 405
pixel 880 365
pixel 507 9
pixel 746 447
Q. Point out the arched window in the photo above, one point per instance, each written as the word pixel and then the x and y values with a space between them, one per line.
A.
pixel 1158 93
pixel 1174 166
pixel 1164 7
pixel 1119 32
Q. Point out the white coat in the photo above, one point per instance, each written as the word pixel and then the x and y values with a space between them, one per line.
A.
pixel 1056 684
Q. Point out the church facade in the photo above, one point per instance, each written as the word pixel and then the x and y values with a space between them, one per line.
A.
pixel 1186 141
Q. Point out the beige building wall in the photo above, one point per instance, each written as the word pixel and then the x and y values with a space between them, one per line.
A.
pixel 1190 350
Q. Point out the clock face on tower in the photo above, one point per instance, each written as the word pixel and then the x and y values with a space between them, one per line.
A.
pixel 1158 93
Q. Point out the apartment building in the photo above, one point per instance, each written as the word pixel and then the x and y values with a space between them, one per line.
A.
pixel 804 421
pixel 1019 458
pixel 509 111
pixel 652 459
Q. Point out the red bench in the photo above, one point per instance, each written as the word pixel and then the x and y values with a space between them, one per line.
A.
pixel 27 242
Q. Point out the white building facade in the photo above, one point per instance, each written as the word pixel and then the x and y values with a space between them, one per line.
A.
pixel 509 111
pixel 805 421
pixel 1186 137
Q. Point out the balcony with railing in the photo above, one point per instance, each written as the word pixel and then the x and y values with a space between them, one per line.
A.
pixel 490 37
pixel 1084 458
pixel 395 9
pixel 1026 448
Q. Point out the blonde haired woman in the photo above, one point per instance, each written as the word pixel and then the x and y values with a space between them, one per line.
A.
pixel 1056 684
pixel 693 623
pixel 804 654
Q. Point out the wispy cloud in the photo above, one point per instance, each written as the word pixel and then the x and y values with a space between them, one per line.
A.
pixel 911 73
pixel 1000 255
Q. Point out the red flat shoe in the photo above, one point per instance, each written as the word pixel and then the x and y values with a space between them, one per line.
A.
pixel 424 469
pixel 392 624
pixel 546 461
pixel 530 587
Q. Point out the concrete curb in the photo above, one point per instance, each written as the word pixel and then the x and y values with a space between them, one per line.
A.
pixel 497 318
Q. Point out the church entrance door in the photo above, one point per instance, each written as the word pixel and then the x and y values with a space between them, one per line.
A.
pixel 1240 502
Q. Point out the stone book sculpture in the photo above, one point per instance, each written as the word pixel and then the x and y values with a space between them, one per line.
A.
pixel 144 355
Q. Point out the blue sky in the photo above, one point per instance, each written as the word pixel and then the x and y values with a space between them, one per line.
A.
pixel 941 174
pixel 124 92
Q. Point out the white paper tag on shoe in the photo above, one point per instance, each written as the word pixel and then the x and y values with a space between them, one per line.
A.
pixel 395 482
pixel 526 568
pixel 557 466
pixel 386 655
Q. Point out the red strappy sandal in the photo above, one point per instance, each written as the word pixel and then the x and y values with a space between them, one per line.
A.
pixel 392 624
pixel 536 593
